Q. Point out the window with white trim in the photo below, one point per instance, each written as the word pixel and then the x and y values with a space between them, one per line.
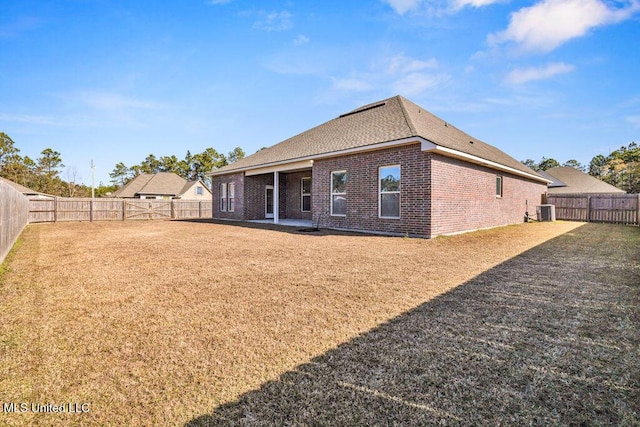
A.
pixel 305 193
pixel 231 204
pixel 199 190
pixel 498 186
pixel 389 191
pixel 339 193
pixel 223 197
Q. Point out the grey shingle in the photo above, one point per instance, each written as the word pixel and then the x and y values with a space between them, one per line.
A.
pixel 578 182
pixel 389 120
pixel 160 184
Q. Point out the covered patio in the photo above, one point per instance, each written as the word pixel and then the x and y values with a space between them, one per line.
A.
pixel 280 196
pixel 305 223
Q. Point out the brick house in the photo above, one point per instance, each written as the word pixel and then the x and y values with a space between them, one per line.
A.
pixel 387 167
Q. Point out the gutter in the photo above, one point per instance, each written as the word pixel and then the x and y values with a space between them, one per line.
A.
pixel 425 145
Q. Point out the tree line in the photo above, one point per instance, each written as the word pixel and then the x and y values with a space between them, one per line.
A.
pixel 41 174
pixel 621 168
pixel 192 167
pixel 45 173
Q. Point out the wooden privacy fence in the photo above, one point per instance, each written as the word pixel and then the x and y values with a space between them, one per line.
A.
pixel 83 209
pixel 613 208
pixel 14 214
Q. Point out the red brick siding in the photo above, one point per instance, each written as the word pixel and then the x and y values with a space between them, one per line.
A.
pixel 464 197
pixel 254 195
pixel 238 212
pixel 293 195
pixel 362 191
pixel 438 195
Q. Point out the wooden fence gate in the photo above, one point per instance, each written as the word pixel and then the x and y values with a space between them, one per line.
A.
pixel 611 208
pixel 105 209
pixel 146 209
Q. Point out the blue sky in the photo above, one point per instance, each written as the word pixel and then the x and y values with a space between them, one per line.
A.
pixel 115 80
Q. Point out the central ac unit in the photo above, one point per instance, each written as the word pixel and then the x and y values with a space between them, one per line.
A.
pixel 546 212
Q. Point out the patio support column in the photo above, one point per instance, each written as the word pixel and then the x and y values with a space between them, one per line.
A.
pixel 276 197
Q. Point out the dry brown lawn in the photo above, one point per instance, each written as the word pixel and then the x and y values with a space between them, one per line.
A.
pixel 167 323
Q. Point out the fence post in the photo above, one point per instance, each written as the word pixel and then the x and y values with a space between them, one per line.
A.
pixel 199 209
pixel 55 209
pixel 124 209
pixel 588 208
pixel 91 210
pixel 173 210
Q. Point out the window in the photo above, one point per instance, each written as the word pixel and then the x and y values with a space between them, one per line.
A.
pixel 223 197
pixel 199 190
pixel 306 195
pixel 498 186
pixel 389 185
pixel 339 193
pixel 232 197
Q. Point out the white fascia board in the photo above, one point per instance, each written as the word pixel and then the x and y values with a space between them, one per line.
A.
pixel 429 146
pixel 425 145
pixel 307 162
pixel 282 167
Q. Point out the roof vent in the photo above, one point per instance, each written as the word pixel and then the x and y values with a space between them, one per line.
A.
pixel 470 142
pixel 367 108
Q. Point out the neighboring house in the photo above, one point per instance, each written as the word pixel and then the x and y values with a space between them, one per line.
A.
pixel 163 185
pixel 568 180
pixel 387 167
pixel 31 194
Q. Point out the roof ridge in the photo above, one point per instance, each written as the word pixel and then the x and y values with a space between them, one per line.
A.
pixel 407 117
pixel 153 175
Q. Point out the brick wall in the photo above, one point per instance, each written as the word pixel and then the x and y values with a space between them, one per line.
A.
pixel 255 195
pixel 238 212
pixel 438 195
pixel 362 191
pixel 464 197
pixel 293 195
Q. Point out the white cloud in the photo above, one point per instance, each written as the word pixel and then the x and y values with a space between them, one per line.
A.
pixel 524 75
pixel 112 101
pixel 414 84
pixel 300 40
pixel 459 4
pixel 274 21
pixel 403 6
pixel 352 84
pixel 435 7
pixel 401 63
pixel 28 118
pixel 399 73
pixel 634 120
pixel 550 23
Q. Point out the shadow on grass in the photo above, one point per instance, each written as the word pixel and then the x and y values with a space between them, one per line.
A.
pixel 549 337
pixel 308 231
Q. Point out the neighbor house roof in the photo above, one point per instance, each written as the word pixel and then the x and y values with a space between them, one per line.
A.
pixel 24 190
pixel 555 182
pixel 576 181
pixel 159 184
pixel 393 119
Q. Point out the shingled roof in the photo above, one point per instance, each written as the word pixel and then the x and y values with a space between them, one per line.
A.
pixel 393 119
pixel 160 184
pixel 576 181
pixel 24 190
